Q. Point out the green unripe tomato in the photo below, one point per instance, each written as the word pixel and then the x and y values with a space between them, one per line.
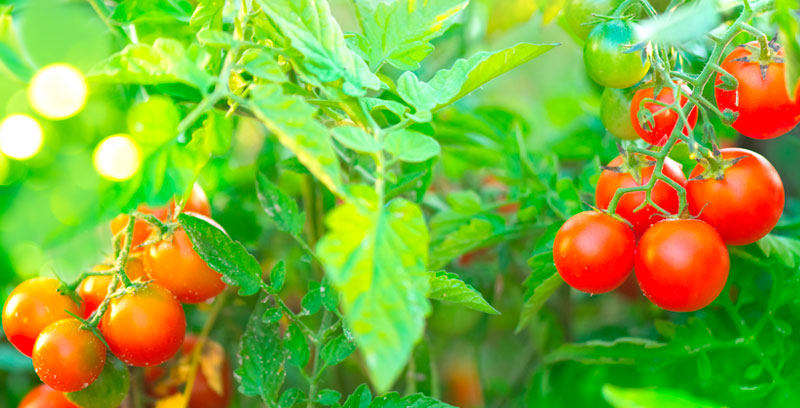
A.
pixel 606 58
pixel 578 14
pixel 615 107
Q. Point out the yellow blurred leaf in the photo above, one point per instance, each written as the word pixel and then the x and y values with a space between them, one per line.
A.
pixel 173 401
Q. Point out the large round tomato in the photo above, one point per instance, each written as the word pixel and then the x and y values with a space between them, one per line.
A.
pixel 213 383
pixel 744 204
pixel 606 55
pixel 662 194
pixel 593 252
pixel 144 327
pixel 681 265
pixel 579 14
pixel 141 229
pixel 45 397
pixel 763 104
pixel 31 307
pixel 175 265
pixel 67 358
pixel 664 121
pixel 615 107
pixel 93 289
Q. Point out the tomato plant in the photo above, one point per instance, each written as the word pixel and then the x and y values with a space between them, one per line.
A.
pixel 67 358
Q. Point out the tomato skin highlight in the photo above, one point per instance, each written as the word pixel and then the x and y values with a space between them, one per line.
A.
pixel 67 358
pixel 33 305
pixel 606 58
pixel 593 252
pixel 156 318
pixel 765 109
pixel 682 265
pixel 176 266
pixel 663 122
pixel 662 194
pixel 45 397
pixel 746 204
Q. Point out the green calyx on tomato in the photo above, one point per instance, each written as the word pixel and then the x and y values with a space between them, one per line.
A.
pixel 714 166
pixel 612 55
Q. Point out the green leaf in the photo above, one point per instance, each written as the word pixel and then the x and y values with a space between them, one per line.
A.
pixel 393 400
pixel 214 137
pixel 297 346
pixel 312 301
pixel 208 13
pixel 360 398
pixel 466 75
pixel 273 315
pixel 328 397
pixel 449 287
pixel 313 31
pixel 620 397
pixel 466 238
pixel 108 390
pixel 130 11
pixel 281 209
pixel 375 104
pixel 291 119
pixel 336 350
pixel 789 39
pixel 166 61
pixel 682 25
pixel 376 258
pixel 355 138
pixel 223 254
pixel 410 146
pixel 783 249
pixel 262 64
pixel 624 350
pixel 399 32
pixel 261 357
pixel 277 276
pixel 542 290
pixel 14 63
pixel 155 121
pixel 290 397
pixel 215 38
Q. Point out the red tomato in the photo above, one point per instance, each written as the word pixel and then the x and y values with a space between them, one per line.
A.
pixel 31 307
pixel 662 194
pixel 67 358
pixel 744 205
pixel 175 265
pixel 93 289
pixel 141 229
pixel 214 391
pixel 664 122
pixel 593 252
pixel 144 327
pixel 682 265
pixel 763 104
pixel 464 385
pixel 196 203
pixel 45 397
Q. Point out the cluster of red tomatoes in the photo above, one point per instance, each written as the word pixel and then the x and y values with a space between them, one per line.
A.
pixel 143 325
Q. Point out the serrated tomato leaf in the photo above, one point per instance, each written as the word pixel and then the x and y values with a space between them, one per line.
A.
pixel 281 209
pixel 448 287
pixel 262 357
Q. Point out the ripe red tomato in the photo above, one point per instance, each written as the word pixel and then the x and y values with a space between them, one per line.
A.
pixel 144 327
pixel 93 289
pixel 141 229
pixel 213 384
pixel 196 203
pixel 593 252
pixel 682 265
pixel 764 106
pixel 45 397
pixel 67 358
pixel 662 194
pixel 31 307
pixel 664 122
pixel 175 265
pixel 743 206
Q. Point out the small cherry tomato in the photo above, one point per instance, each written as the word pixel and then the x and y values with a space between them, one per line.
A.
pixel 593 252
pixel 615 106
pixel 141 229
pixel 175 265
pixel 662 193
pixel 743 202
pixel 144 327
pixel 764 106
pixel 580 14
pixel 607 57
pixel 45 397
pixel 32 306
pixel 663 120
pixel 682 265
pixel 67 358
pixel 93 289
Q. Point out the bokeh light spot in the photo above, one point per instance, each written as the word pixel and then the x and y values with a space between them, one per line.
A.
pixel 21 136
pixel 116 158
pixel 58 91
